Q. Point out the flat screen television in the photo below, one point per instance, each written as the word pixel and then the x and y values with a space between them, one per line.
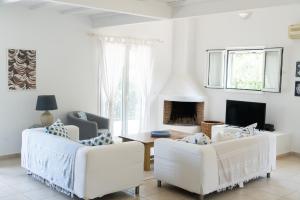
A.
pixel 241 113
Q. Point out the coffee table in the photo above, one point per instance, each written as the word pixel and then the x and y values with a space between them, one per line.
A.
pixel 148 142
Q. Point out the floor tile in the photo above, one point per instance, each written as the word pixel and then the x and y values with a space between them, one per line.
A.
pixel 284 184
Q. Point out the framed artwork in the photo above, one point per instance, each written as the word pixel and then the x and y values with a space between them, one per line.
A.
pixel 298 69
pixel 21 69
pixel 297 89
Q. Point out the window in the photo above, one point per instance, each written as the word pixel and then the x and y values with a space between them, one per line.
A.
pixel 245 69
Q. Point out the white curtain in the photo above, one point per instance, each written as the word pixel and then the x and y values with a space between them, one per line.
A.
pixel 111 69
pixel 141 64
pixel 131 56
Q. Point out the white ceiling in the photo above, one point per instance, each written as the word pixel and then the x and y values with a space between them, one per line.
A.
pixel 117 12
pixel 64 9
pixel 97 16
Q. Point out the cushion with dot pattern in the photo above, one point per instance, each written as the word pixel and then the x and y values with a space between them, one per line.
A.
pixel 198 138
pixel 58 129
pixel 103 138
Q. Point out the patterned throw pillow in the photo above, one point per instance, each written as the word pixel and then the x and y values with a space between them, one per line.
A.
pixel 57 128
pixel 247 131
pixel 82 115
pixel 103 131
pixel 103 138
pixel 198 138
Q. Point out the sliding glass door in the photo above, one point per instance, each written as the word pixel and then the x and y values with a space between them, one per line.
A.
pixel 128 105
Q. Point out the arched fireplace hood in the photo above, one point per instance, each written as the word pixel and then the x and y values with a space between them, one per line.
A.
pixel 183 84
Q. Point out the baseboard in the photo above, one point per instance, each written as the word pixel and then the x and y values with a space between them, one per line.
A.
pixel 16 155
pixel 295 154
pixel 283 155
pixel 288 154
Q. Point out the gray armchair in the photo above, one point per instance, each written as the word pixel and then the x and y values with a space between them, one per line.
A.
pixel 87 128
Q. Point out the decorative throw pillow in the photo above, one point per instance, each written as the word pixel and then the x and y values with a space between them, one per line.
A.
pixel 103 131
pixel 82 115
pixel 247 131
pixel 198 138
pixel 58 129
pixel 102 139
pixel 251 129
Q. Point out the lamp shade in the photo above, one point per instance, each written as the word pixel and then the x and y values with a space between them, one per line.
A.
pixel 46 102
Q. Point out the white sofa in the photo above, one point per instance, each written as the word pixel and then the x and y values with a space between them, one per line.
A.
pixel 203 169
pixel 98 170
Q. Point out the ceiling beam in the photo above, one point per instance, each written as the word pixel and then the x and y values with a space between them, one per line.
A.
pixel 151 9
pixel 39 5
pixel 220 6
pixel 8 1
pixel 117 20
pixel 73 10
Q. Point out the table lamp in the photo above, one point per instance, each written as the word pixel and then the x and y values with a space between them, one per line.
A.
pixel 46 103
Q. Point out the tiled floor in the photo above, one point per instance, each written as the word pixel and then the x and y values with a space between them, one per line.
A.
pixel 283 185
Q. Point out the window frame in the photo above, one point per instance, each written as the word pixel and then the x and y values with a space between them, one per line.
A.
pixel 280 50
pixel 223 51
pixel 226 64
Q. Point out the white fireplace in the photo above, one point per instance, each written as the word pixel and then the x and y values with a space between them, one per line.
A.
pixel 183 91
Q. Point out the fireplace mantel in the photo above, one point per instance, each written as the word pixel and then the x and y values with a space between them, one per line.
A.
pixel 184 98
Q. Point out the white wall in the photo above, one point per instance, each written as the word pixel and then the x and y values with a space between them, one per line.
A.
pixel 65 67
pixel 266 27
pixel 161 30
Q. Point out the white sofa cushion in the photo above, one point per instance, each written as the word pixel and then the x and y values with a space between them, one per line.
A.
pixel 221 137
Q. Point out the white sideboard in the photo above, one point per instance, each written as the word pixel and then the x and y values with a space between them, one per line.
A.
pixel 283 145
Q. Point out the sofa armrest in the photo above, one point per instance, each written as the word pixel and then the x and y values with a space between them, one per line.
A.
pixel 109 168
pixel 189 166
pixel 73 132
pixel 102 123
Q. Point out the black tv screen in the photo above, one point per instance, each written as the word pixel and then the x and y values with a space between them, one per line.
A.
pixel 241 113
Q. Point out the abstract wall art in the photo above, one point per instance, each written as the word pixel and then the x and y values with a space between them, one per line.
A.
pixel 298 69
pixel 21 69
pixel 297 88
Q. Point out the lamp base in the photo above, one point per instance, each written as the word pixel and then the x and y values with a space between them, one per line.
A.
pixel 47 118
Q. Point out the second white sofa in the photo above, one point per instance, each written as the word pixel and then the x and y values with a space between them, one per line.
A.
pixel 98 170
pixel 203 169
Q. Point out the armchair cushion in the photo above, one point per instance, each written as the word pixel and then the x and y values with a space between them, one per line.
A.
pixel 82 115
pixel 58 129
pixel 103 138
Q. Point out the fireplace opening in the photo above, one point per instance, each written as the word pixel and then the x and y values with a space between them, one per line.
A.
pixel 183 113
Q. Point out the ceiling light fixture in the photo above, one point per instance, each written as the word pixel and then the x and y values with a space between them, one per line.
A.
pixel 245 14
